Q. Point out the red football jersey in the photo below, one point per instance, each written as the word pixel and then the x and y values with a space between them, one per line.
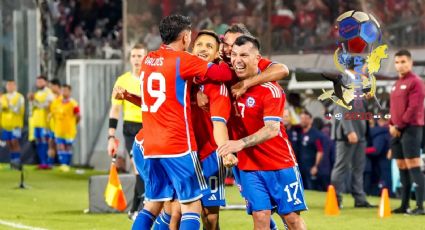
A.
pixel 166 78
pixel 261 103
pixel 219 110
pixel 264 63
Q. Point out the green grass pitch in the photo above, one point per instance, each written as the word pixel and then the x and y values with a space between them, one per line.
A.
pixel 57 200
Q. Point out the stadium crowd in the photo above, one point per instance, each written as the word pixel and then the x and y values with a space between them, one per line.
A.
pixel 296 25
pixel 93 29
pixel 87 29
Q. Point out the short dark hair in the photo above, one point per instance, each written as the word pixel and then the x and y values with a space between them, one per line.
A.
pixel 242 40
pixel 55 81
pixel 171 26
pixel 67 86
pixel 42 77
pixel 306 112
pixel 209 33
pixel 403 53
pixel 238 28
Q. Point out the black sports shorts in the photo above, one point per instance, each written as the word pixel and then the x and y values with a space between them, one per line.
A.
pixel 408 145
pixel 130 129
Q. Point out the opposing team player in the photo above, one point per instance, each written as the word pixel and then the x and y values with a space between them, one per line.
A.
pixel 55 87
pixel 171 167
pixel 268 170
pixel 40 102
pixel 12 121
pixel 66 114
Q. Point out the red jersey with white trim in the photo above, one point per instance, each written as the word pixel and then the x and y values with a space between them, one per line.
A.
pixel 166 78
pixel 259 104
pixel 219 110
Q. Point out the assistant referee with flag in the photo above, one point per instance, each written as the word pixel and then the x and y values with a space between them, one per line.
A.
pixel 132 117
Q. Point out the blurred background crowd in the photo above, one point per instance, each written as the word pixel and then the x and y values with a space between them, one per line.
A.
pixel 93 28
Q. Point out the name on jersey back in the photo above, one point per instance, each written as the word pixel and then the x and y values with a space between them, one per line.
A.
pixel 154 61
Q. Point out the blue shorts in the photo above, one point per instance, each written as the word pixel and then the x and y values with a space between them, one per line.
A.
pixel 214 173
pixel 281 188
pixel 40 133
pixel 63 141
pixel 137 152
pixel 8 135
pixel 237 175
pixel 51 134
pixel 175 177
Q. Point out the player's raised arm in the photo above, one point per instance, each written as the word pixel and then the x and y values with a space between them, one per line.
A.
pixel 193 66
pixel 120 93
pixel 272 72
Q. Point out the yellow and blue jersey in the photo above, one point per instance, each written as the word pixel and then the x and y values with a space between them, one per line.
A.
pixel 40 110
pixel 12 111
pixel 51 109
pixel 65 113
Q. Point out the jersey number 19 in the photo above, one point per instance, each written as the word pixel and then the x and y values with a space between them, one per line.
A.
pixel 159 93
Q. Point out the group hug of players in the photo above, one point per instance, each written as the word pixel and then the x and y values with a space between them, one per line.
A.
pixel 219 106
pixel 53 119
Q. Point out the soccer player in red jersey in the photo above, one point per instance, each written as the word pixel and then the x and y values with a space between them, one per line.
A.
pixel 268 168
pixel 171 167
pixel 211 131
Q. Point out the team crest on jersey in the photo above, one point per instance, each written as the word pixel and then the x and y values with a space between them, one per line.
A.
pixel 250 102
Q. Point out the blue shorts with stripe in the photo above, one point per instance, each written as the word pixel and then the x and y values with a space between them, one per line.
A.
pixel 171 178
pixel 214 173
pixel 63 141
pixel 265 190
pixel 8 135
pixel 137 153
pixel 41 133
pixel 51 134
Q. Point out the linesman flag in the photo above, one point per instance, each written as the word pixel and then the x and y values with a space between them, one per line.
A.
pixel 114 195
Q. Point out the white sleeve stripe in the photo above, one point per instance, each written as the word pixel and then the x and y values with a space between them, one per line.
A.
pixel 269 86
pixel 274 89
pixel 278 92
pixel 223 90
pixel 274 94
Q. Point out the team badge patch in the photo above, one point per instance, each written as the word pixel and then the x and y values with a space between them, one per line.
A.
pixel 250 102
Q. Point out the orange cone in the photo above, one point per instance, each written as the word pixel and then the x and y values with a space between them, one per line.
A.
pixel 384 205
pixel 331 206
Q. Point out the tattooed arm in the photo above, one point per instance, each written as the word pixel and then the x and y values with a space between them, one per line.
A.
pixel 269 131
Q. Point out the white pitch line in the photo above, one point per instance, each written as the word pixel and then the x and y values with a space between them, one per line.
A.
pixel 19 226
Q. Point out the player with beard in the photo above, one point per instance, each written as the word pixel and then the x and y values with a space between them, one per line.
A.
pixel 268 169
